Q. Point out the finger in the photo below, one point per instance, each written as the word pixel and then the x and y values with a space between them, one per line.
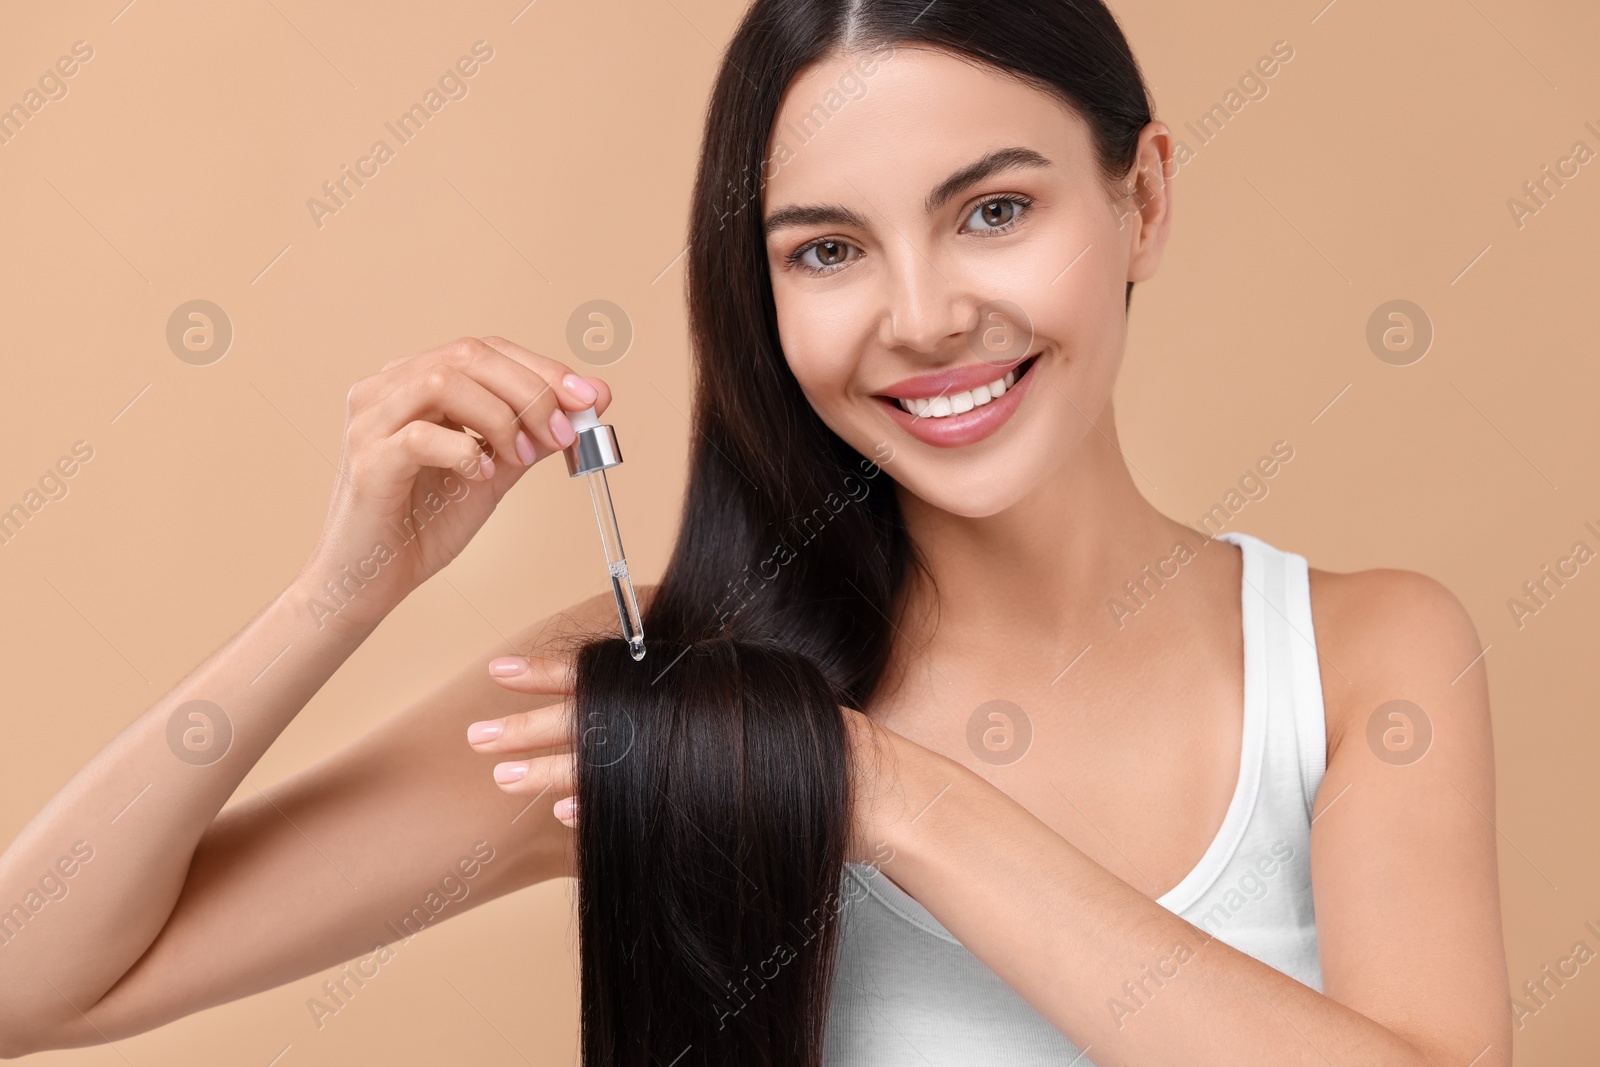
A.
pixel 560 390
pixel 573 395
pixel 574 391
pixel 525 731
pixel 444 392
pixel 539 392
pixel 602 394
pixel 570 390
pixel 393 363
pixel 536 776
pixel 538 674
pixel 566 812
pixel 427 444
pixel 524 391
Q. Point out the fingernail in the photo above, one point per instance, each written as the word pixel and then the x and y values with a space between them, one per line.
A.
pixel 580 388
pixel 525 450
pixel 479 732
pixel 506 773
pixel 566 808
pixel 506 666
pixel 561 427
pixel 486 465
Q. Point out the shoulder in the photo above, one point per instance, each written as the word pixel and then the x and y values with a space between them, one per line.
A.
pixel 1369 609
pixel 1386 634
pixel 1403 842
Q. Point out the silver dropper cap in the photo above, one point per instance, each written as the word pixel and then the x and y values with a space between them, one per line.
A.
pixel 595 446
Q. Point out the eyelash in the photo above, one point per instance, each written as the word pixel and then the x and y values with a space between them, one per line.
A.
pixel 792 259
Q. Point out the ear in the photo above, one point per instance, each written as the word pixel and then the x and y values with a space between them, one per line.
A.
pixel 1145 211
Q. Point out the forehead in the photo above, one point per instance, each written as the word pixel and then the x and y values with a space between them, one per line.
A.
pixel 905 117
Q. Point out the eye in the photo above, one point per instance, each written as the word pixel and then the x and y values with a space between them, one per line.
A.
pixel 830 256
pixel 998 213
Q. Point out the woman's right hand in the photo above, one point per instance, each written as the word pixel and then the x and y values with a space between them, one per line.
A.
pixel 413 486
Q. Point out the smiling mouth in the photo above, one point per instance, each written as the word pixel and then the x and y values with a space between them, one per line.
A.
pixel 947 404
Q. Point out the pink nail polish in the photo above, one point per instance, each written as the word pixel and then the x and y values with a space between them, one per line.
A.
pixel 506 773
pixel 525 450
pixel 486 466
pixel 580 388
pixel 488 730
pixel 507 666
pixel 561 427
pixel 566 808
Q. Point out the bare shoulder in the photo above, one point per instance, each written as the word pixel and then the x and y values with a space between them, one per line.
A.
pixel 1403 845
pixel 1382 633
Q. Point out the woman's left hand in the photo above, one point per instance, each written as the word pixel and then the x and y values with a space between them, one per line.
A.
pixel 896 779
pixel 533 735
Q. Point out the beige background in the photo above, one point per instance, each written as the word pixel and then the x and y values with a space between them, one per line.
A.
pixel 178 166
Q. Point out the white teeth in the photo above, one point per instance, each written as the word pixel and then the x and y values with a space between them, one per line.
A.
pixel 938 407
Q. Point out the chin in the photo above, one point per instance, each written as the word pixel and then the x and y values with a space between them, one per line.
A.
pixel 985 490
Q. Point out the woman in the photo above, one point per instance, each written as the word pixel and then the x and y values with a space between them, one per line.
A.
pixel 1092 837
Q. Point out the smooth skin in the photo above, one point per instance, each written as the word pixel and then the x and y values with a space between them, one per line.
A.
pixel 1047 869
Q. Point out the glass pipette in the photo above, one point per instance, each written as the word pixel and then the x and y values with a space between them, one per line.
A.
pixel 593 449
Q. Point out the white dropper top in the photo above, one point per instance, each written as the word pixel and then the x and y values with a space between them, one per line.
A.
pixel 583 420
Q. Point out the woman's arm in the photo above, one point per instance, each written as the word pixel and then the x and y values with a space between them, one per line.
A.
pixel 399 830
pixel 123 893
pixel 1406 883
pixel 132 816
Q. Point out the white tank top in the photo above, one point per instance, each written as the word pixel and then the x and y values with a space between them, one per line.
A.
pixel 908 994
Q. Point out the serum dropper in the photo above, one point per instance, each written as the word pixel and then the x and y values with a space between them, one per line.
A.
pixel 593 449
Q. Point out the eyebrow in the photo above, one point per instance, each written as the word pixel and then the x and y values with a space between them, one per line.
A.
pixel 996 162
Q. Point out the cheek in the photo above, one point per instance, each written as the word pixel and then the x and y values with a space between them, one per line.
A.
pixel 1072 285
pixel 1081 314
pixel 822 337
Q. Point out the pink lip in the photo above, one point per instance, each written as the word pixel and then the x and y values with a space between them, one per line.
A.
pixel 944 382
pixel 952 431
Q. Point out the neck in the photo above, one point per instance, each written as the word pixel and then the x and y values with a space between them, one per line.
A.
pixel 1039 575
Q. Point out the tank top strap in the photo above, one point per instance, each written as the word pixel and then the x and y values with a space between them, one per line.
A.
pixel 1296 742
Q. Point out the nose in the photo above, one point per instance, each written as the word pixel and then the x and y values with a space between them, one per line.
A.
pixel 927 308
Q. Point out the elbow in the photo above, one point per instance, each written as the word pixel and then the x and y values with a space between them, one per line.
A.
pixel 1441 1053
pixel 16 1042
pixel 18 1039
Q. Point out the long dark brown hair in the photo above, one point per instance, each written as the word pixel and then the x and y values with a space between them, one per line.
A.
pixel 713 777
